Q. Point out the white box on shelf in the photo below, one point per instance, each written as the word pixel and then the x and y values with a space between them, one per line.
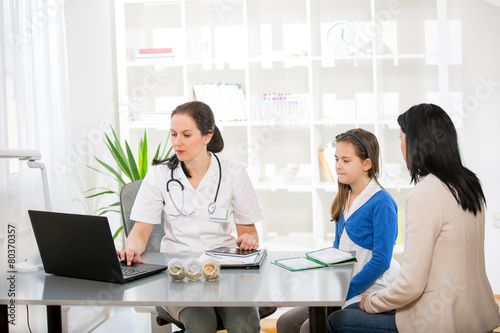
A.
pixel 390 106
pixel 366 106
pixel 206 48
pixel 168 103
pixel 454 40
pixel 338 109
pixel 230 46
pixel 295 39
pixel 266 45
pixel 392 170
pixel 390 36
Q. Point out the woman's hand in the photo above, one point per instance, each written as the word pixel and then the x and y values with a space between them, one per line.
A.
pixel 247 242
pixel 248 239
pixel 362 303
pixel 130 255
pixel 136 243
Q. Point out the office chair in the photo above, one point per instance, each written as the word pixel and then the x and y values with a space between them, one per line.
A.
pixel 127 198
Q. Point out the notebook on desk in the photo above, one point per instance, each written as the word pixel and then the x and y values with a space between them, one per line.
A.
pixel 81 246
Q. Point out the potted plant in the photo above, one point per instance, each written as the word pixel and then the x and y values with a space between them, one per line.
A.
pixel 128 168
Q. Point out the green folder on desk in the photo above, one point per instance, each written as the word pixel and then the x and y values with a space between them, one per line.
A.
pixel 316 259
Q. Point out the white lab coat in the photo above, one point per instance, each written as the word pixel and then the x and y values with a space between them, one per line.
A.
pixel 196 232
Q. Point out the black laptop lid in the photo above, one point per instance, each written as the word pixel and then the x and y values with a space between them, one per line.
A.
pixel 78 246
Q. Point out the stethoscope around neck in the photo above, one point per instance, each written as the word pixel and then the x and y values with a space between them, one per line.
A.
pixel 211 207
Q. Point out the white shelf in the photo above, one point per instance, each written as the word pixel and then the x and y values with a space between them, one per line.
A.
pixel 299 184
pixel 159 63
pixel 251 43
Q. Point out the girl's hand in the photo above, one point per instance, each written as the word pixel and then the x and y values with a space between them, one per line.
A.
pixel 130 255
pixel 247 242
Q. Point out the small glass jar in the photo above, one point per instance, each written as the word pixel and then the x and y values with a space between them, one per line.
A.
pixel 176 269
pixel 193 269
pixel 210 269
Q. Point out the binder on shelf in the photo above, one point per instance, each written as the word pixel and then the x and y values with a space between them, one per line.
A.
pixel 226 100
pixel 218 104
pixel 242 99
pixel 199 92
pixel 329 153
pixel 324 165
pixel 210 100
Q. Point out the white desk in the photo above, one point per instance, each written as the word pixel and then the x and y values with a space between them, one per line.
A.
pixel 268 286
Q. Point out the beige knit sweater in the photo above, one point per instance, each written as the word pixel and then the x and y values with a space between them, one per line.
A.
pixel 442 286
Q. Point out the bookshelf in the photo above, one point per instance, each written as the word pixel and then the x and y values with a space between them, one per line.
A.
pixel 303 83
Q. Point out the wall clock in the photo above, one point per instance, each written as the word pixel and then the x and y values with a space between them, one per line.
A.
pixel 341 37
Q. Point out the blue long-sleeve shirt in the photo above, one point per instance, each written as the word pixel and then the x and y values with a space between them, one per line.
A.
pixel 373 226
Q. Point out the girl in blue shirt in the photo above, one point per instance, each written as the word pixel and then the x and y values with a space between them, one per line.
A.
pixel 366 222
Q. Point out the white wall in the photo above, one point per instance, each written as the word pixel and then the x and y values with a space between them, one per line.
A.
pixel 89 30
pixel 481 134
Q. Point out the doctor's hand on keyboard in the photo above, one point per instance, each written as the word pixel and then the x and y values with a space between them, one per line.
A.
pixel 130 255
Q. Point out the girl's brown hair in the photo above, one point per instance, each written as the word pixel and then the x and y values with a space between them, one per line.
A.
pixel 366 146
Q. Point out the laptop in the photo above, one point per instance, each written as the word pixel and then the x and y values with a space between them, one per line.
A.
pixel 81 246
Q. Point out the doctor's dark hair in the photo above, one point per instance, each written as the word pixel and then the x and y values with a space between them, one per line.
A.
pixel 203 117
pixel 366 146
pixel 432 147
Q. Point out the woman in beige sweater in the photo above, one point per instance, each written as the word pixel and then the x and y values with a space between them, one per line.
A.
pixel 443 285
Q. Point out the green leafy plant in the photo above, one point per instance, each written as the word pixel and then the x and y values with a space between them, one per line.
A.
pixel 131 169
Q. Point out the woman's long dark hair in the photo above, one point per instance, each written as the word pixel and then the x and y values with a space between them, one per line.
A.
pixel 372 152
pixel 203 117
pixel 432 147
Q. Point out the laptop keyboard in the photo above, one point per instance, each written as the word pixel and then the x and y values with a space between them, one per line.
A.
pixel 127 271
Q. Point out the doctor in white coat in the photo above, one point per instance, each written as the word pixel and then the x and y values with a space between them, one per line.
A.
pixel 197 194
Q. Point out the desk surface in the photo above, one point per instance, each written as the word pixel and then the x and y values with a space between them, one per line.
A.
pixel 268 286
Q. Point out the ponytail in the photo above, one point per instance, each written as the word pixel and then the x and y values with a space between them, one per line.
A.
pixel 216 144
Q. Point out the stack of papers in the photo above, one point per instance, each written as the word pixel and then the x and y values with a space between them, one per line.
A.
pixel 226 100
pixel 235 257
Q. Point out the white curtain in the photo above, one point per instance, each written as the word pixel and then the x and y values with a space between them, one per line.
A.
pixel 34 106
